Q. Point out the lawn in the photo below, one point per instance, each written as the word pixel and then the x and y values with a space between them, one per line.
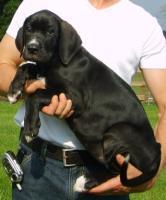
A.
pixel 9 134
pixel 9 140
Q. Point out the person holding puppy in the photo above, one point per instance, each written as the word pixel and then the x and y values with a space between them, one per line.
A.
pixel 108 32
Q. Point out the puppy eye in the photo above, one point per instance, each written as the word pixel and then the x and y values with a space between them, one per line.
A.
pixel 28 28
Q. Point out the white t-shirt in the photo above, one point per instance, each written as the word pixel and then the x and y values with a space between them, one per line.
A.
pixel 123 36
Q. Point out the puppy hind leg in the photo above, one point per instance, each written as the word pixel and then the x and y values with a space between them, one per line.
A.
pixel 80 183
pixel 83 184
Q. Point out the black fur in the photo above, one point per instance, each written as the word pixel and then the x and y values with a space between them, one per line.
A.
pixel 108 117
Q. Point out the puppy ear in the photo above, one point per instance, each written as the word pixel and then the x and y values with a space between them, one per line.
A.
pixel 69 43
pixel 19 41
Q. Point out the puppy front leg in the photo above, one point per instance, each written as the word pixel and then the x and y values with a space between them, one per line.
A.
pixel 33 105
pixel 24 72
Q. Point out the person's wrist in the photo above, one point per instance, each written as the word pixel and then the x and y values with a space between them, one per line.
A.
pixel 32 85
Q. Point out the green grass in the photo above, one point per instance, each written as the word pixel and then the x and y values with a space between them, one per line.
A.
pixel 138 77
pixel 151 111
pixel 9 133
pixel 8 140
pixel 158 192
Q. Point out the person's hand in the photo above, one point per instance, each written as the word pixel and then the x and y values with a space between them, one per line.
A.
pixel 32 85
pixel 60 106
pixel 114 186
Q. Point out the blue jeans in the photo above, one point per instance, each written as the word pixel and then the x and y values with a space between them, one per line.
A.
pixel 48 179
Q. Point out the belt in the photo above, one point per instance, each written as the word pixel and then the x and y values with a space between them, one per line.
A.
pixel 69 157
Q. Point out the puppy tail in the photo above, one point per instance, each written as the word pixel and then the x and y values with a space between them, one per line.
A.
pixel 123 172
pixel 137 180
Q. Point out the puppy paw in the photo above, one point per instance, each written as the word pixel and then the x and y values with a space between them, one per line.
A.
pixel 28 138
pixel 80 183
pixel 13 97
pixel 29 133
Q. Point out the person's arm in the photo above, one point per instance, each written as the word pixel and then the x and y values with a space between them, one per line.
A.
pixel 156 81
pixel 9 59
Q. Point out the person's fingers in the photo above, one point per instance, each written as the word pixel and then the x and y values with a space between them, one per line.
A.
pixel 61 105
pixel 51 108
pixel 67 110
pixel 120 159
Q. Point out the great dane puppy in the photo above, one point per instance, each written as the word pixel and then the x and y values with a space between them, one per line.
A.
pixel 108 119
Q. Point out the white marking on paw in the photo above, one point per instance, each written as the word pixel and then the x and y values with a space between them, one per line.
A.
pixel 79 185
pixel 43 79
pixel 13 98
pixel 28 138
pixel 22 123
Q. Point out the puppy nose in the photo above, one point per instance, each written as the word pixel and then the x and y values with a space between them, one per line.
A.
pixel 33 47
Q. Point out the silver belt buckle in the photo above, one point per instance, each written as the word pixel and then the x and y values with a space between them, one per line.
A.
pixel 64 151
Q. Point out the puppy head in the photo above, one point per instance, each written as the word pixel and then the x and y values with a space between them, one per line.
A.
pixel 45 36
pixel 37 39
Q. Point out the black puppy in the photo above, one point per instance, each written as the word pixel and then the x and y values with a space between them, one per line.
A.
pixel 108 117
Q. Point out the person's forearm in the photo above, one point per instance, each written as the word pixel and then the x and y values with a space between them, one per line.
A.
pixel 161 137
pixel 9 59
pixel 7 73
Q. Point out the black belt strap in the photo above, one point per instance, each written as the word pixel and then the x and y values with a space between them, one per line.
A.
pixel 70 157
